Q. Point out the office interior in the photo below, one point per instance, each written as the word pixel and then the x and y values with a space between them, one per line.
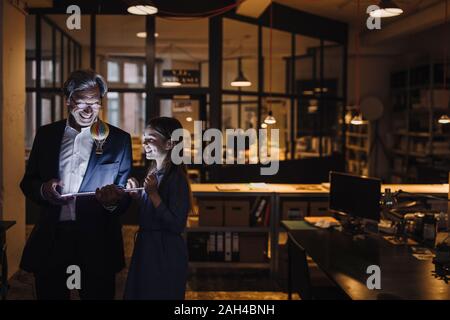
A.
pixel 368 106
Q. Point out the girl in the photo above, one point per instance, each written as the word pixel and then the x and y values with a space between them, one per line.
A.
pixel 159 263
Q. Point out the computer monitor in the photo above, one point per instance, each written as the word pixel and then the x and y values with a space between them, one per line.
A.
pixel 354 195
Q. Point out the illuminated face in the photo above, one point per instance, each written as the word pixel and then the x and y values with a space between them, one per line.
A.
pixel 155 145
pixel 85 106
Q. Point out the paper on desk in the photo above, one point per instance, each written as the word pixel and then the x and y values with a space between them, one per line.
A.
pixel 257 186
pixel 227 187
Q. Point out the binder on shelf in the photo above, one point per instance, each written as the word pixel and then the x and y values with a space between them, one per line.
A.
pixel 259 212
pixel 228 256
pixel 267 216
pixel 219 246
pixel 212 247
pixel 235 246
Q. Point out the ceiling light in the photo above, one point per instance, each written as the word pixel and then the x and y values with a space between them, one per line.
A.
pixel 241 80
pixel 444 119
pixel 171 83
pixel 357 120
pixel 143 34
pixel 270 119
pixel 142 10
pixel 387 8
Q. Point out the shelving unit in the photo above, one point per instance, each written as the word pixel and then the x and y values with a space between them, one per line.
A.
pixel 421 149
pixel 244 193
pixel 358 139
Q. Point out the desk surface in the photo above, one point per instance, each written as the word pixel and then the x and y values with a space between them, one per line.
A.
pixel 307 188
pixel 345 261
pixel 5 225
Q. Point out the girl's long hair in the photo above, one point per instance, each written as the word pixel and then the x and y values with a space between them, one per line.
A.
pixel 165 126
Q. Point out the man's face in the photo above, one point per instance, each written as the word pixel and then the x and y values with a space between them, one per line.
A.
pixel 84 106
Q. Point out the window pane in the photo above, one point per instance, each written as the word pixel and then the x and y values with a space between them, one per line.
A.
pixel 58 61
pixel 30 50
pixel 46 63
pixel 121 54
pixel 240 41
pixel 130 73
pixel 30 120
pixel 126 111
pixel 333 68
pixel 281 110
pixel 46 114
pixel 113 71
pixel 275 68
pixel 181 57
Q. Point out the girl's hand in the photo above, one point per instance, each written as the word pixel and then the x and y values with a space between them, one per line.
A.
pixel 131 184
pixel 151 184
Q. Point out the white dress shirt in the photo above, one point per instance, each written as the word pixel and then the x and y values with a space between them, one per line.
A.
pixel 74 157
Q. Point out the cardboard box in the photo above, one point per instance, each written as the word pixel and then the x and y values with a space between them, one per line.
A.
pixel 237 214
pixel 294 210
pixel 211 213
pixel 319 209
pixel 252 247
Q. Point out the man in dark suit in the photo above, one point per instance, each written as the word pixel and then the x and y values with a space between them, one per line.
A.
pixel 83 231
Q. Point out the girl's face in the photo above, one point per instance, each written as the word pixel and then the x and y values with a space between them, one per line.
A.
pixel 155 145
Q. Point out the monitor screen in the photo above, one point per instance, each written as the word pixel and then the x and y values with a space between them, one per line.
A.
pixel 354 195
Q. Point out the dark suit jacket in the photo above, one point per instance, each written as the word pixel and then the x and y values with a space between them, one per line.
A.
pixel 100 240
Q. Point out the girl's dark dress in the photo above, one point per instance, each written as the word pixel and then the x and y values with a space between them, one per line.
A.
pixel 159 264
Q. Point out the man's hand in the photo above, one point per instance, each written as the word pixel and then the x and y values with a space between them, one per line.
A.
pixel 151 184
pixel 51 194
pixel 109 195
pixel 132 183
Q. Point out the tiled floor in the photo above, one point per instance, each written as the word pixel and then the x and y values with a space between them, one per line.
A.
pixel 207 284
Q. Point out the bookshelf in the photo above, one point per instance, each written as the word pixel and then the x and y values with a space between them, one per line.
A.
pixel 421 148
pixel 358 139
pixel 223 233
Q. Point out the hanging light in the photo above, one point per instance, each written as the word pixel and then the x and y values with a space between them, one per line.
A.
pixel 357 120
pixel 189 119
pixel 143 34
pixel 241 80
pixel 444 119
pixel 387 8
pixel 142 9
pixel 270 119
pixel 171 82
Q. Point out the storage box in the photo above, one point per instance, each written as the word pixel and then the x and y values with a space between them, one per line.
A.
pixel 211 213
pixel 319 208
pixel 294 210
pixel 237 214
pixel 252 247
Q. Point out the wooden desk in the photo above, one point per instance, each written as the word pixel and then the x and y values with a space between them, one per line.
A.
pixel 4 225
pixel 345 261
pixel 307 189
pixel 277 192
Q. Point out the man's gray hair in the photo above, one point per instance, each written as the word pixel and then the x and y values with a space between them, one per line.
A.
pixel 84 79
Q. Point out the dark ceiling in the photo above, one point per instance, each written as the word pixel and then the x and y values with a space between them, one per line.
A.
pixel 165 7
